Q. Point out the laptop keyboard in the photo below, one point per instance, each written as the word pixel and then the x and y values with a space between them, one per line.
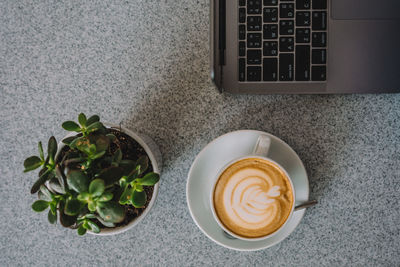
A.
pixel 282 40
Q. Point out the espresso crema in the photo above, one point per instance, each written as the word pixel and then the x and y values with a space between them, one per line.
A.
pixel 253 197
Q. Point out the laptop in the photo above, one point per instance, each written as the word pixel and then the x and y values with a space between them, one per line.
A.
pixel 305 46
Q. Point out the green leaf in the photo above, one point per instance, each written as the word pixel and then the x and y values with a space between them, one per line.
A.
pixel 74 142
pixel 78 181
pixel 139 187
pixel 149 179
pixel 126 196
pixel 84 196
pixel 83 144
pixel 94 227
pixel 71 126
pixel 81 230
pixel 82 119
pixel 122 182
pixel 96 187
pixel 111 212
pixel 98 155
pixel 92 148
pixel 52 217
pixel 107 196
pixel 117 157
pixel 68 140
pixel 42 196
pixel 32 163
pixel 55 186
pixel 72 207
pixel 92 119
pixel 66 220
pixel 111 137
pixel 92 206
pixel 40 205
pixel 106 224
pixel 111 175
pixel 132 176
pixel 101 141
pixel 138 199
pixel 52 148
pixel 89 216
pixel 127 165
pixel 41 154
pixel 46 193
pixel 42 179
pixel 94 127
pixel 86 225
pixel 53 207
pixel 60 177
pixel 143 162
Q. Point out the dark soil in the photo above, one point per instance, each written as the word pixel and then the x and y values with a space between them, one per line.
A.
pixel 130 150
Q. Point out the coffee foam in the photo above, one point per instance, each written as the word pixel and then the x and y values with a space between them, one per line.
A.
pixel 253 197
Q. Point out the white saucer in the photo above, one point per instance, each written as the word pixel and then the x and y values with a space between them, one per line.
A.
pixel 218 153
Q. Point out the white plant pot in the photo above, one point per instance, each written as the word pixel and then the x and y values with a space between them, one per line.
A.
pixel 155 157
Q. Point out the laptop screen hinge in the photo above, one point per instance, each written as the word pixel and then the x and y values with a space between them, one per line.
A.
pixel 222 37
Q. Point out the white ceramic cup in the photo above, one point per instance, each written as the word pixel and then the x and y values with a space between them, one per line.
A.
pixel 260 151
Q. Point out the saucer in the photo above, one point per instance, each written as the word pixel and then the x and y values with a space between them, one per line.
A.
pixel 217 154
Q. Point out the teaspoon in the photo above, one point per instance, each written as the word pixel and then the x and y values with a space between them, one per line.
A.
pixel 298 207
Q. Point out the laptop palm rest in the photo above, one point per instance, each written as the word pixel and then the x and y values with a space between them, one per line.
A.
pixel 365 9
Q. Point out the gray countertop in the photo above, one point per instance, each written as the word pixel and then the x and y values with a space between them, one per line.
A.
pixel 145 63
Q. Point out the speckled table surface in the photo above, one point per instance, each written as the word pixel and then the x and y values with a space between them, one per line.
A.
pixel 145 63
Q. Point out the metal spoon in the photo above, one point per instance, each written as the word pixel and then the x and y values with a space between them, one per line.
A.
pixel 298 207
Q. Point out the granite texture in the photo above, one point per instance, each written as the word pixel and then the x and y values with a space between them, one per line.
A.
pixel 145 63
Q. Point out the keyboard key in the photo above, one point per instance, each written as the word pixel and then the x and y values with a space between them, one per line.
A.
pixel 303 4
pixel 319 39
pixel 254 23
pixel 286 67
pixel 253 57
pixel 270 2
pixel 286 10
pixel 242 49
pixel 319 20
pixel 242 32
pixel 302 63
pixel 242 69
pixel 286 27
pixel 319 4
pixel 242 2
pixel 303 18
pixel 270 31
pixel 302 35
pixel 270 48
pixel 270 15
pixel 318 56
pixel 242 15
pixel 253 74
pixel 286 44
pixel 318 73
pixel 254 6
pixel 270 69
pixel 254 40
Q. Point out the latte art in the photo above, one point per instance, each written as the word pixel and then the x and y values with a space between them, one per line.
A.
pixel 253 197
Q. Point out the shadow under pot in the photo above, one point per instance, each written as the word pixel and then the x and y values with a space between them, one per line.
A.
pixel 119 187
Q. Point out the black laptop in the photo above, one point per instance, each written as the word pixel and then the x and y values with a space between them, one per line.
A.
pixel 305 46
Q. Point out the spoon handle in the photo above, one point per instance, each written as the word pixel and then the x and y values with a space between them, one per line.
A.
pixel 306 205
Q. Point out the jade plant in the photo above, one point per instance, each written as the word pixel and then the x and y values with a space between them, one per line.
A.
pixel 88 181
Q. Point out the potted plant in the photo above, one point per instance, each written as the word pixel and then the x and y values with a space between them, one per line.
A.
pixel 99 179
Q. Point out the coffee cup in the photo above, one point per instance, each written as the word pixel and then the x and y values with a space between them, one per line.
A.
pixel 253 197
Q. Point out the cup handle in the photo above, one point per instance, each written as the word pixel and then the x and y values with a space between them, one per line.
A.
pixel 262 146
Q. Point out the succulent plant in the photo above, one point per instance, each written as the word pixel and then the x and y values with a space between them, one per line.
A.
pixel 89 182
